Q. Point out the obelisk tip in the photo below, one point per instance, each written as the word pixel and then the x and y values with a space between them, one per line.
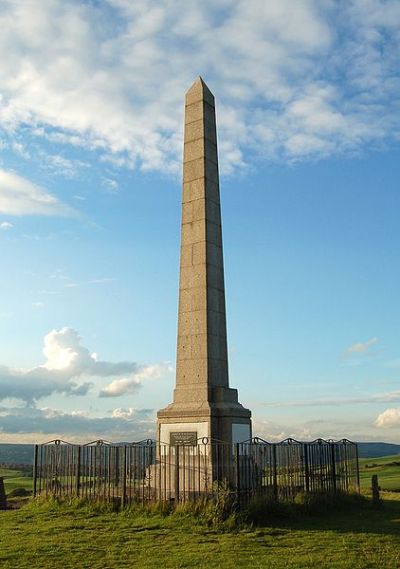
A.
pixel 199 91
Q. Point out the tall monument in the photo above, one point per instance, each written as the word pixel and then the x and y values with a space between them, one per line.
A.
pixel 204 405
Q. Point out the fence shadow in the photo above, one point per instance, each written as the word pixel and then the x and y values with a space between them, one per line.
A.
pixel 361 518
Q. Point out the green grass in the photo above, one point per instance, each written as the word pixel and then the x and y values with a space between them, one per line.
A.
pixel 54 536
pixel 387 468
pixel 15 479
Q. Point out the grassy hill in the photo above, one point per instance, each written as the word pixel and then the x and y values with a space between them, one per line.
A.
pixel 79 537
pixel 16 478
pixel 95 537
pixel 387 468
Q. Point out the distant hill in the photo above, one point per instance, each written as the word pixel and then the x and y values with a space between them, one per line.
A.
pixel 16 454
pixel 23 453
pixel 375 450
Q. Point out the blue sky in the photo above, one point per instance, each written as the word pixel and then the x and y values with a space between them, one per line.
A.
pixel 91 114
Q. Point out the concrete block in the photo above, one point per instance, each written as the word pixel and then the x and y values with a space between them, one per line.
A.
pixel 214 254
pixel 193 232
pixel 216 324
pixel 217 372
pixel 194 190
pixel 192 277
pixel 199 254
pixel 192 371
pixel 211 171
pixel 212 191
pixel 215 278
pixel 186 256
pixel 215 299
pixel 210 150
pixel 194 322
pixel 214 234
pixel 194 149
pixel 200 130
pixel 194 112
pixel 191 299
pixel 195 169
pixel 217 347
pixel 209 113
pixel 212 211
pixel 184 347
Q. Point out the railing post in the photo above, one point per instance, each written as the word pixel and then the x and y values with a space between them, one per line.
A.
pixel 333 466
pixel 78 472
pixel 177 468
pixel 274 472
pixel 237 459
pixel 306 468
pixel 35 467
pixel 123 498
pixel 357 471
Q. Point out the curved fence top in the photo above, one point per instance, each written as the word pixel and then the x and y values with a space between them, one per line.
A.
pixel 204 441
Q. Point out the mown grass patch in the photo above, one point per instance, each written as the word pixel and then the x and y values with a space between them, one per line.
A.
pixel 94 536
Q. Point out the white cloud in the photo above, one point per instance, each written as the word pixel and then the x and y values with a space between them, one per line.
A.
pixel 309 79
pixel 4 225
pixel 389 418
pixel 360 348
pixel 18 196
pixel 70 368
pixel 30 423
pixel 120 387
pixel 20 149
pixel 110 185
pixel 62 166
pixel 125 385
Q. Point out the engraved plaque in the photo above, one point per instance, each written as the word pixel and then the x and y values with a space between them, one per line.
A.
pixel 188 438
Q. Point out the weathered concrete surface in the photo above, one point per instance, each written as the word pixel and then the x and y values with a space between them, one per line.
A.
pixel 202 386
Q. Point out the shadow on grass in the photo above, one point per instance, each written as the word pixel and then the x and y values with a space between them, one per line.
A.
pixel 354 515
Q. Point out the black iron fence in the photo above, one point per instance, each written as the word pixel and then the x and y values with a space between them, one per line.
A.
pixel 150 471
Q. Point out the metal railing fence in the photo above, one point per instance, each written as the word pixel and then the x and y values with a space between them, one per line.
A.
pixel 150 471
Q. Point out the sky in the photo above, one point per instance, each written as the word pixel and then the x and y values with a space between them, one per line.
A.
pixel 91 133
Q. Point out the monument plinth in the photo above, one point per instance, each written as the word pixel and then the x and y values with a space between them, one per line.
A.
pixel 204 405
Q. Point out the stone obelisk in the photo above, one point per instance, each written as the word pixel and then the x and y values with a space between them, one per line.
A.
pixel 204 405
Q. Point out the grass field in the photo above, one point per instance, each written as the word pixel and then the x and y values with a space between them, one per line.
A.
pixel 15 479
pixel 53 536
pixel 387 468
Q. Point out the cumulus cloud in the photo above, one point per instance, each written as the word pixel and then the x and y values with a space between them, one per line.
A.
pixel 18 196
pixel 389 418
pixel 126 385
pixel 309 79
pixel 360 348
pixel 121 424
pixel 69 368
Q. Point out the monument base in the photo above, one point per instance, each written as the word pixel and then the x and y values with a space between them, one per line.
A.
pixel 223 419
